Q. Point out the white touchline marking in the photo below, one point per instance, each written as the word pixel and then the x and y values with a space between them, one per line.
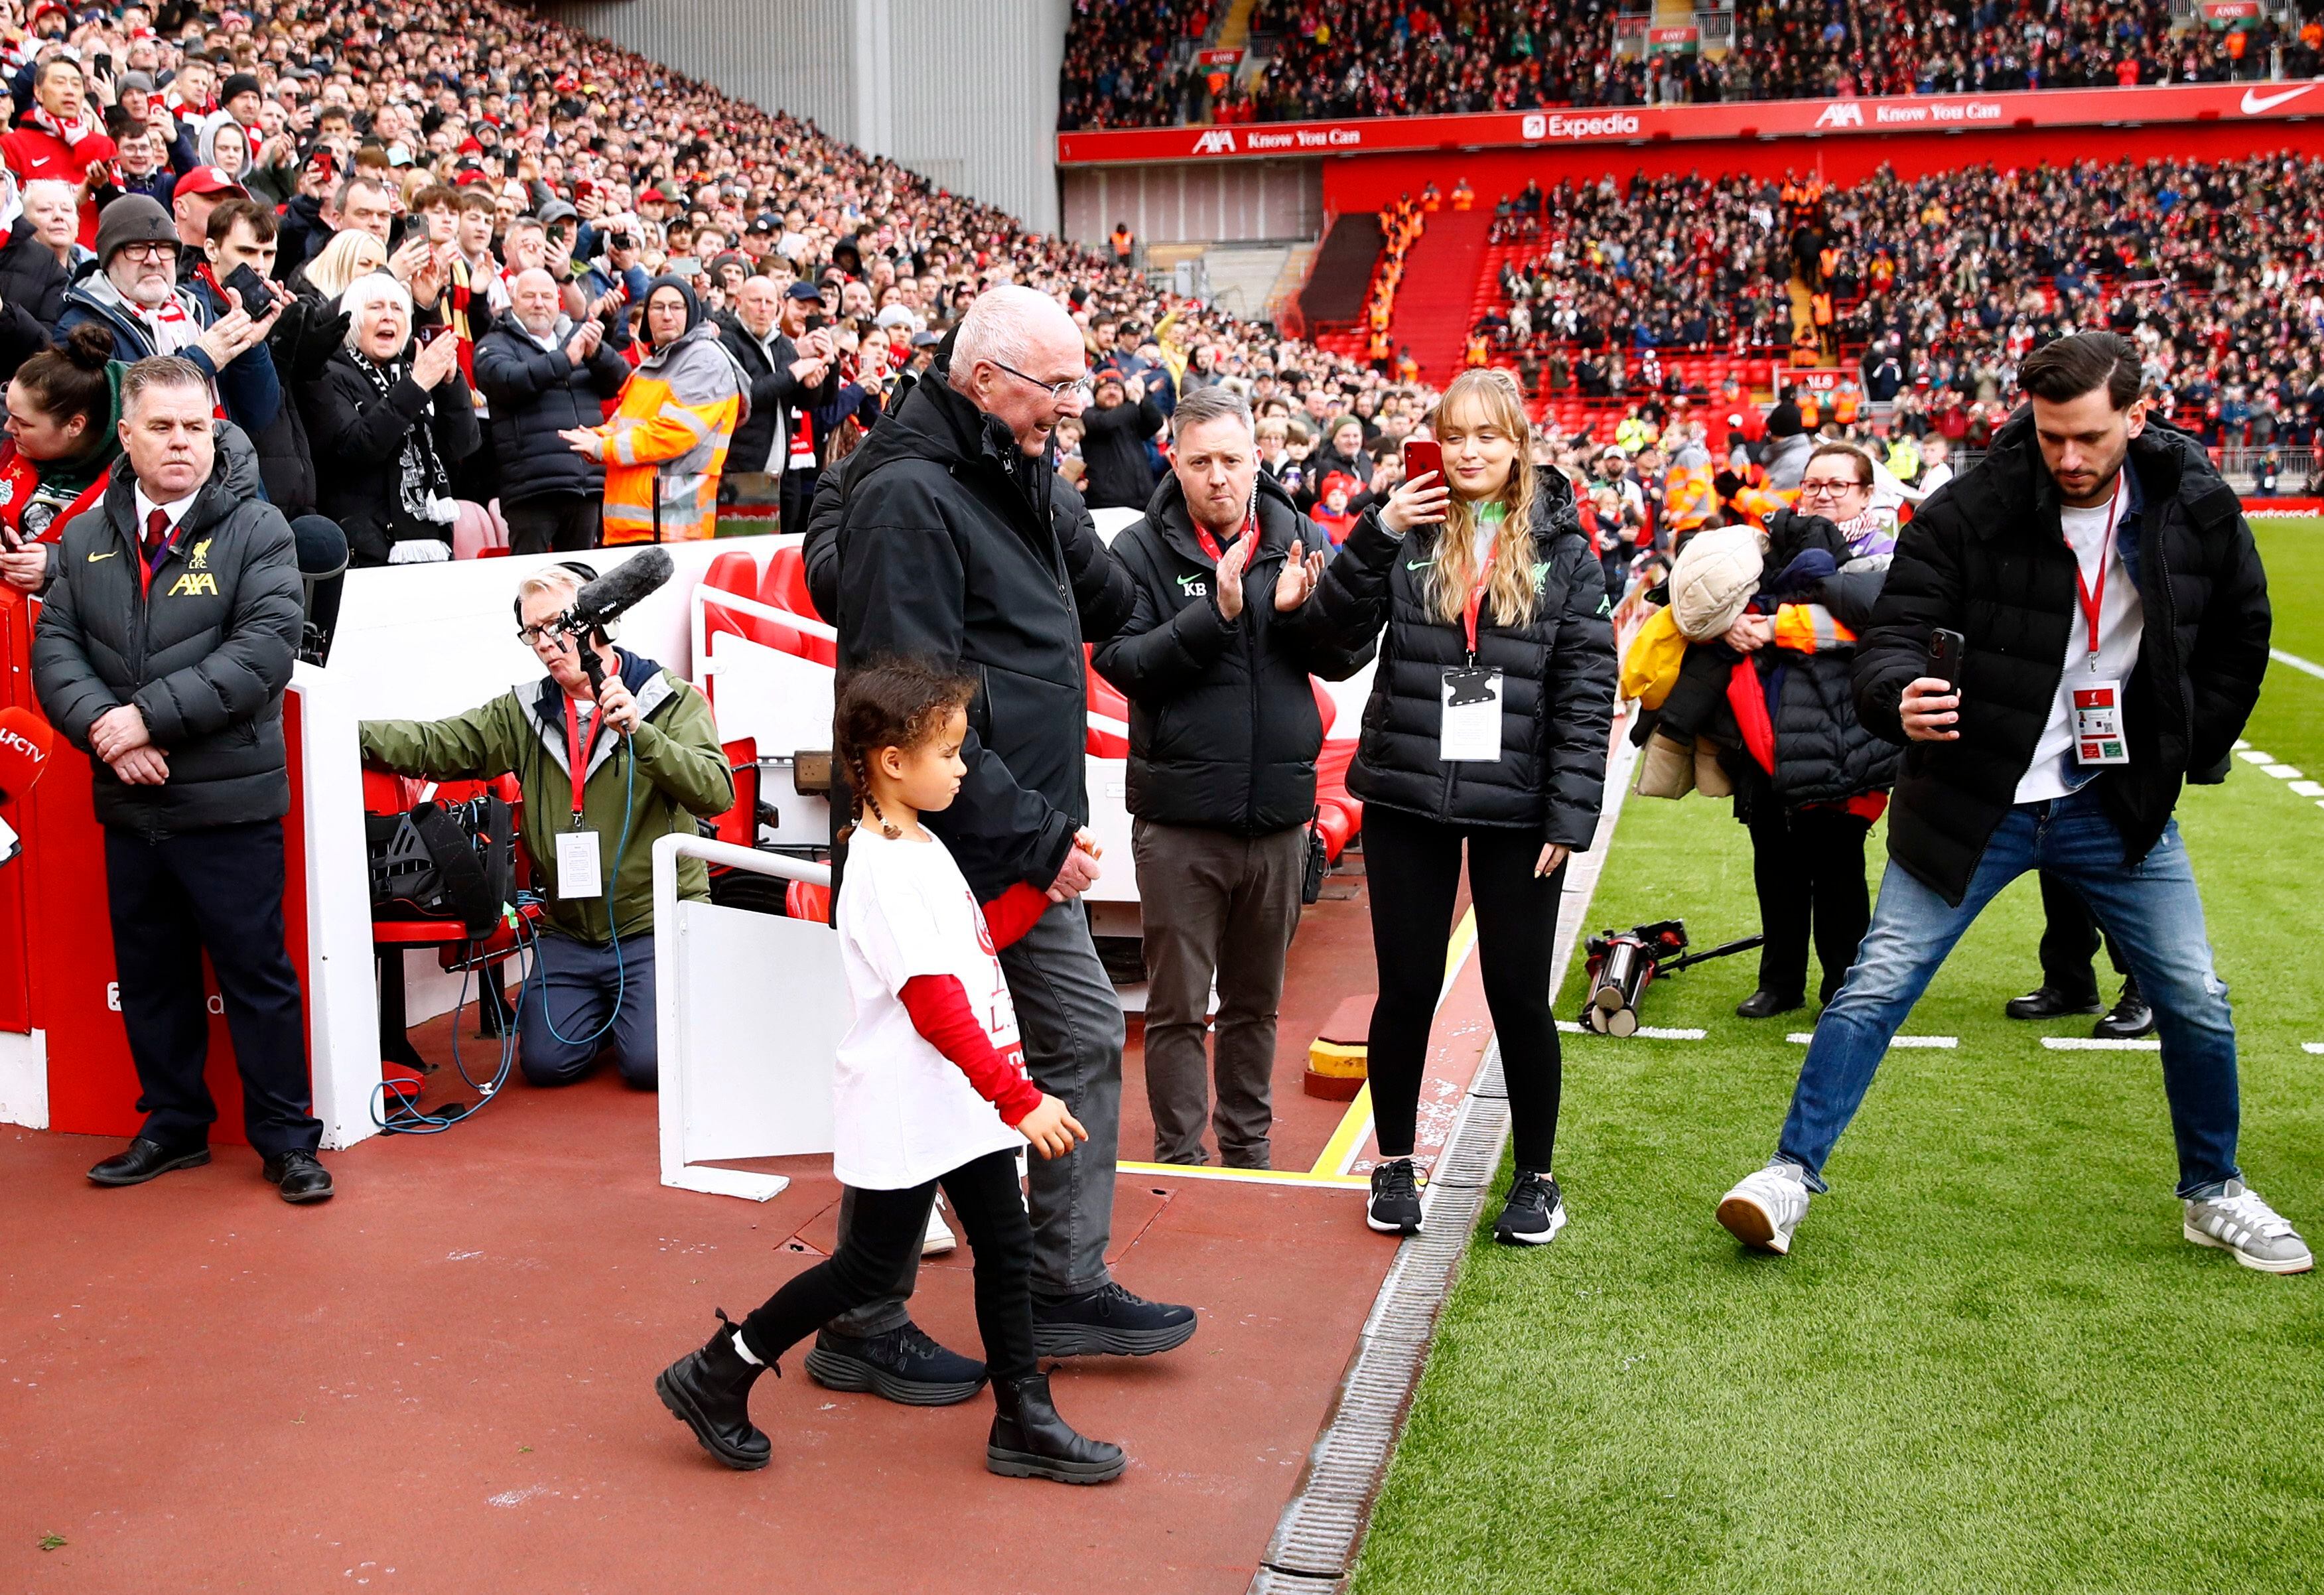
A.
pixel 1648 1032
pixel 2253 756
pixel 2308 789
pixel 2306 667
pixel 2283 772
pixel 1802 1038
pixel 2099 1044
pixel 2239 745
pixel 2312 1046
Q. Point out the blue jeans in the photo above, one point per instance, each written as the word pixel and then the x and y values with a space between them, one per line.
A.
pixel 2151 910
pixel 578 982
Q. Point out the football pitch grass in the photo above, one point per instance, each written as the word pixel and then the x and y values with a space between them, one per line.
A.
pixel 1990 1363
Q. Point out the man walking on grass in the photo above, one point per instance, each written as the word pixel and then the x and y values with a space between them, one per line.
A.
pixel 2117 627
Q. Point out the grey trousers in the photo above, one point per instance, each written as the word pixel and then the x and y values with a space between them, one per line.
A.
pixel 1071 1024
pixel 1223 905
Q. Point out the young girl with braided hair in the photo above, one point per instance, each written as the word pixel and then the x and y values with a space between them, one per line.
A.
pixel 930 1090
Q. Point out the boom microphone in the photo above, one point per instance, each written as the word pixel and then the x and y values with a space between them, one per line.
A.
pixel 601 601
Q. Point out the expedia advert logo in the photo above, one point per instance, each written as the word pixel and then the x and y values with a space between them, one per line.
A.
pixel 1558 125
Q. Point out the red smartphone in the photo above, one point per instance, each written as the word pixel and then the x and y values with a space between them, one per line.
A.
pixel 1422 456
pixel 430 334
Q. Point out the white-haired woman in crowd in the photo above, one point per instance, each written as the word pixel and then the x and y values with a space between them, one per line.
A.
pixel 392 418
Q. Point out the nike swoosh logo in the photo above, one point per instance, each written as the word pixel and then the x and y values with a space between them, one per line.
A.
pixel 92 558
pixel 1418 564
pixel 2255 102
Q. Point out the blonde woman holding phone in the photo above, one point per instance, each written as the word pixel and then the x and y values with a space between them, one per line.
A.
pixel 1487 730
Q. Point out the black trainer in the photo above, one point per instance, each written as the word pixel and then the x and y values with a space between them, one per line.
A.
pixel 1534 1214
pixel 2048 1002
pixel 709 1391
pixel 1109 1321
pixel 2128 1019
pixel 903 1365
pixel 1394 1206
pixel 143 1160
pixel 1030 1441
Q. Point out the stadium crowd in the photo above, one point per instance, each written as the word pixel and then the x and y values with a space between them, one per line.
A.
pixel 1375 58
pixel 398 173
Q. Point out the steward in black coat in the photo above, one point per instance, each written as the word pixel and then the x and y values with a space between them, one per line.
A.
pixel 951 546
pixel 1558 679
pixel 1224 727
pixel 206 659
pixel 1985 555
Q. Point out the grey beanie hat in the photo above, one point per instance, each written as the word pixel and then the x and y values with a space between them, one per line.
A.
pixel 134 218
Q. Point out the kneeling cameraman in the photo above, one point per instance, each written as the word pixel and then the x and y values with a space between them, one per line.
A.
pixel 593 985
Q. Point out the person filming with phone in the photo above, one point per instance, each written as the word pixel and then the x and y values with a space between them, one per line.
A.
pixel 2071 630
pixel 1486 729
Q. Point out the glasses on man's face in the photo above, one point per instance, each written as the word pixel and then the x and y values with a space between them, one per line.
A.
pixel 1058 392
pixel 1830 487
pixel 150 252
pixel 532 636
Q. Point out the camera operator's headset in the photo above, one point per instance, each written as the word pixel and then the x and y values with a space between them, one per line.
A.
pixel 526 933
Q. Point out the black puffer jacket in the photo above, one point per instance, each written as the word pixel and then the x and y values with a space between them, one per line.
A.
pixel 953 546
pixel 206 659
pixel 357 432
pixel 535 393
pixel 1558 667
pixel 1224 727
pixel 1113 447
pixel 1985 556
pixel 31 276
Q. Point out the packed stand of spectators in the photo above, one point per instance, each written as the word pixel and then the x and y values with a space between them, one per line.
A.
pixel 1391 58
pixel 466 257
pixel 1123 67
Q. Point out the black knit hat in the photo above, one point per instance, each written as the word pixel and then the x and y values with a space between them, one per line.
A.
pixel 240 83
pixel 134 218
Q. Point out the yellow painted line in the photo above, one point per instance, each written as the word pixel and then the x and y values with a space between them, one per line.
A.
pixel 1253 1176
pixel 1339 1151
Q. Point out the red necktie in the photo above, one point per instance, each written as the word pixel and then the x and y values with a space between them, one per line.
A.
pixel 157 533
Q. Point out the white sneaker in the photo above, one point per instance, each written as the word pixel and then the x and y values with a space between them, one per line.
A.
pixel 1765 1206
pixel 938 1240
pixel 2237 1221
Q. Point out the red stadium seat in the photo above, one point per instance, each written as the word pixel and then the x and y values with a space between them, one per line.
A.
pixel 784 579
pixel 803 901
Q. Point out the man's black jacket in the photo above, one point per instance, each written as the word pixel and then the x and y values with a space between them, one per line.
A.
pixel 206 659
pixel 777 397
pixel 1114 448
pixel 1223 725
pixel 1984 556
pixel 535 393
pixel 945 543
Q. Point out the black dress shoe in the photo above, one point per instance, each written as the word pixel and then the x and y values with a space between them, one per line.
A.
pixel 2128 1019
pixel 143 1160
pixel 709 1391
pixel 1030 1441
pixel 1109 1321
pixel 1764 1004
pixel 300 1177
pixel 2048 1002
pixel 903 1365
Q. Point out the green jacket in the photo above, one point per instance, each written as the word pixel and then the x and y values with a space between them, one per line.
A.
pixel 681 772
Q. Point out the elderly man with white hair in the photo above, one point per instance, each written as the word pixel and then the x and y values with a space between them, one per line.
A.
pixel 542 374
pixel 392 418
pixel 958 546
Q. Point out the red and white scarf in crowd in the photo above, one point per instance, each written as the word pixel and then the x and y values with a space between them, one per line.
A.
pixel 69 134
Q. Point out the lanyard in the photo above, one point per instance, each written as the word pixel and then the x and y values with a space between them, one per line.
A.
pixel 578 749
pixel 1211 544
pixel 1476 594
pixel 2092 601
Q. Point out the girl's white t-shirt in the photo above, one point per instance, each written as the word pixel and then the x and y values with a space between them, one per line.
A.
pixel 904 1112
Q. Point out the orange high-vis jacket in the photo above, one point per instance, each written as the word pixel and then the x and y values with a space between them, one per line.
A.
pixel 667 442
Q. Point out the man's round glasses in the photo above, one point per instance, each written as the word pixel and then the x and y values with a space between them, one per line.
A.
pixel 1055 391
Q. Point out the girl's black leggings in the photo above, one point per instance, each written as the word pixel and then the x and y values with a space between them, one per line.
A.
pixel 887 1230
pixel 1413 870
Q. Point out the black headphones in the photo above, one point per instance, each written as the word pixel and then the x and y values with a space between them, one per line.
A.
pixel 586 572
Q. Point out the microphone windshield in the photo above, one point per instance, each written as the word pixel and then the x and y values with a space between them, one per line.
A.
pixel 615 592
pixel 25 740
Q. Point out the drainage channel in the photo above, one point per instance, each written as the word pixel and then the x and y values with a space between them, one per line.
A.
pixel 1316 1539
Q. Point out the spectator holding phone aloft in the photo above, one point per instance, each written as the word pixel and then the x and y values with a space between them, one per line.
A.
pixel 1488 726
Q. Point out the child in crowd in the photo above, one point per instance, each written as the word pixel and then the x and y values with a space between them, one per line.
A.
pixel 1332 512
pixel 932 1054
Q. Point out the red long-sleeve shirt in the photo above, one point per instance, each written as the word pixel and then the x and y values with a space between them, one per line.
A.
pixel 940 1012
